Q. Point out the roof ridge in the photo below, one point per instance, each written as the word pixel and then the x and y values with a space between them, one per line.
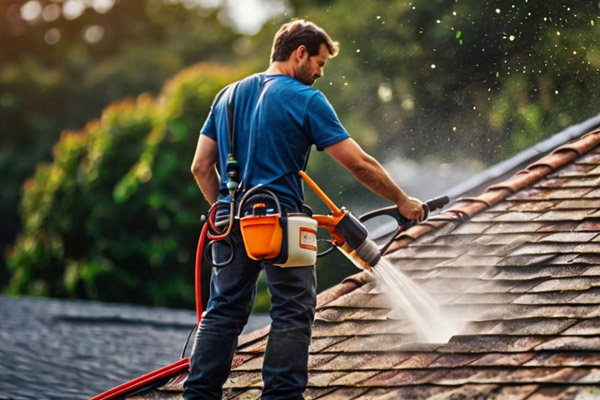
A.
pixel 466 207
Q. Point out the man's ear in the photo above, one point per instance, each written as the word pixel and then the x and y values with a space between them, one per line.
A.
pixel 301 52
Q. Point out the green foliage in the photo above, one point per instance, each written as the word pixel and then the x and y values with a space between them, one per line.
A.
pixel 117 214
pixel 477 79
pixel 54 75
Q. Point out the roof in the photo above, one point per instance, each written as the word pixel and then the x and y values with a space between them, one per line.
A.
pixel 74 349
pixel 518 266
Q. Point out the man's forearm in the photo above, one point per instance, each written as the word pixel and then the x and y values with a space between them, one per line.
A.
pixel 373 176
pixel 204 168
pixel 209 185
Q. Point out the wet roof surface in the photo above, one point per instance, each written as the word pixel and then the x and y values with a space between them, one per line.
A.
pixel 518 266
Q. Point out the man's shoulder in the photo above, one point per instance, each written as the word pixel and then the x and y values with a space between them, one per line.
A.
pixel 289 88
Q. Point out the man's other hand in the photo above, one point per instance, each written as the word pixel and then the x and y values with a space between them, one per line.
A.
pixel 412 209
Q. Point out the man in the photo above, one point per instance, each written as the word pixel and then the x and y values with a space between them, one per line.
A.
pixel 278 117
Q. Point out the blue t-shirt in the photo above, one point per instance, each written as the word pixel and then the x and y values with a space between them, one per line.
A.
pixel 277 120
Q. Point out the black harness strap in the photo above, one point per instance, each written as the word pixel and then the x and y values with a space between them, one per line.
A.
pixel 233 167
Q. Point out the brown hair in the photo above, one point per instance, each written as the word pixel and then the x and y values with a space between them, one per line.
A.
pixel 297 33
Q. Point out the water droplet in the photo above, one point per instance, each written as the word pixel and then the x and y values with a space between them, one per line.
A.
pixel 497 11
pixel 511 38
pixel 557 33
pixel 432 66
pixel 358 50
pixel 438 21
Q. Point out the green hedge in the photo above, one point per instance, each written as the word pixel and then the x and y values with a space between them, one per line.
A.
pixel 116 216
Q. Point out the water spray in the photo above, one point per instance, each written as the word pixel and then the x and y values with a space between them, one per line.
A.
pixel 351 237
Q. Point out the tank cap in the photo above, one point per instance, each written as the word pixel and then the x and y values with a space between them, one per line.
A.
pixel 259 209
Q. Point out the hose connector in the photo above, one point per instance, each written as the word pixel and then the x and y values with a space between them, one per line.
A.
pixel 355 235
pixel 369 252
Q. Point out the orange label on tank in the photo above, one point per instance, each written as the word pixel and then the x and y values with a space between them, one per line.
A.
pixel 308 238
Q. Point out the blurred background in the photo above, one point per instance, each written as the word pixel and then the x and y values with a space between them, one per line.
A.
pixel 101 102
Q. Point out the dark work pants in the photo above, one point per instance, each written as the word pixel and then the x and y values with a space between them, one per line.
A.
pixel 232 292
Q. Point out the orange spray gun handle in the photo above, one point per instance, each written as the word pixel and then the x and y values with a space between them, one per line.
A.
pixel 328 222
pixel 347 231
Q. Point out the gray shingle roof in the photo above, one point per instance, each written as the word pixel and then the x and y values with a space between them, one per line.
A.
pixel 63 349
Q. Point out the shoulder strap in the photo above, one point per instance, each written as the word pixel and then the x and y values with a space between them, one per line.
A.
pixel 230 118
pixel 233 168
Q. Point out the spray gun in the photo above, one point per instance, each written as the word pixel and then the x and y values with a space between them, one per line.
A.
pixel 351 236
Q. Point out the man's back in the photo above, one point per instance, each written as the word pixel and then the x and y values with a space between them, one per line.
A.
pixel 277 120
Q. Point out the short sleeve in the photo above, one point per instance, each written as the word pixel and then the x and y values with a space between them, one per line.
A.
pixel 322 124
pixel 209 128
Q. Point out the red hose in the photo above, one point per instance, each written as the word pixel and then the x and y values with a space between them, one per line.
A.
pixel 198 277
pixel 144 380
pixel 177 366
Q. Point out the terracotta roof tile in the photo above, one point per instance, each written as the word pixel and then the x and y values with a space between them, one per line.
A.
pixel 572 359
pixel 403 377
pixel 343 394
pixel 489 343
pixel 588 327
pixel 504 359
pixel 594 194
pixel 508 227
pixel 571 343
pixel 533 205
pixel 544 326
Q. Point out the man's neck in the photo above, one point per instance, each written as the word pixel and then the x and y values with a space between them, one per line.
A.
pixel 280 68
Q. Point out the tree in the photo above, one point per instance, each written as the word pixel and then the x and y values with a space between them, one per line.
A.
pixel 116 215
pixel 61 63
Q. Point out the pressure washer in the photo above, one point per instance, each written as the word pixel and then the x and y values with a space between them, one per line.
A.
pixel 286 240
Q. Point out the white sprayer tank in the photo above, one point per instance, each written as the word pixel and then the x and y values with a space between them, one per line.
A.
pixel 301 241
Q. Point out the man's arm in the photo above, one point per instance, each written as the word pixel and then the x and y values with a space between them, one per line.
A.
pixel 204 168
pixel 371 174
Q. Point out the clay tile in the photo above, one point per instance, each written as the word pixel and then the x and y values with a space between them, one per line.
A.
pixel 522 179
pixel 403 241
pixel 470 209
pixel 440 219
pixel 347 285
pixel 583 145
pixel 417 231
pixel 556 160
pixel 253 336
pixel 479 199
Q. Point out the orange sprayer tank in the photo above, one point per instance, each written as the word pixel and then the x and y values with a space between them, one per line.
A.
pixel 262 233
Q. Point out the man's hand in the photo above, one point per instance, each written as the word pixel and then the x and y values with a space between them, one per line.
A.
pixel 412 209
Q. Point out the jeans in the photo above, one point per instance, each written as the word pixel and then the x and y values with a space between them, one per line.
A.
pixel 232 292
